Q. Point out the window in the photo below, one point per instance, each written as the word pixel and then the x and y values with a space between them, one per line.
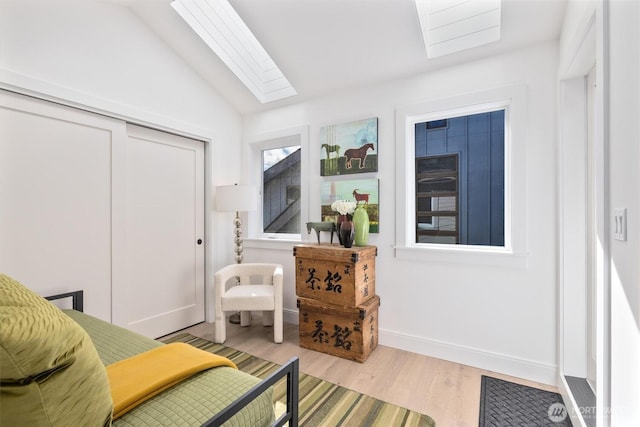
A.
pixel 461 178
pixel 274 164
pixel 281 190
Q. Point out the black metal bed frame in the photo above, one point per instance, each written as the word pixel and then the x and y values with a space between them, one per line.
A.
pixel 77 299
pixel 290 371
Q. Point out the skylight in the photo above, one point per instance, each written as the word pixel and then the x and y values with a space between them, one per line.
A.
pixel 449 26
pixel 222 29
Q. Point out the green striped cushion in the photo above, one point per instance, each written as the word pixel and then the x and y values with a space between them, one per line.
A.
pixel 50 371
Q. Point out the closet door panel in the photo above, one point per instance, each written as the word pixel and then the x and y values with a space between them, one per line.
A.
pixel 55 199
pixel 164 286
pixel 89 202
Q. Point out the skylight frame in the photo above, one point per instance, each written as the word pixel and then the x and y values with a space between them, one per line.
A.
pixel 450 26
pixel 224 32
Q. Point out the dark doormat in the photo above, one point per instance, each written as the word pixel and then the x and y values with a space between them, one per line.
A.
pixel 506 404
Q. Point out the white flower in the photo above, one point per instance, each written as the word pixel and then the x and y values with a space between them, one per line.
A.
pixel 343 207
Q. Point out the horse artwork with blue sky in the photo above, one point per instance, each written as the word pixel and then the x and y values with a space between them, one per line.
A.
pixel 363 192
pixel 349 148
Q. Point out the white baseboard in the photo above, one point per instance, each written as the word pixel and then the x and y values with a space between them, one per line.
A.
pixel 496 362
pixel 482 359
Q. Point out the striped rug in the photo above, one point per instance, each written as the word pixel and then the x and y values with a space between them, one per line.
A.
pixel 321 403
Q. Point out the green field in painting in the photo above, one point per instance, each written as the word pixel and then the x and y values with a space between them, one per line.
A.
pixel 337 166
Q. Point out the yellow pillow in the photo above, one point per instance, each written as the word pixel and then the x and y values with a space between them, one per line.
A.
pixel 50 372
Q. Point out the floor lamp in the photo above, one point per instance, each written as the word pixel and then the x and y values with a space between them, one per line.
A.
pixel 236 198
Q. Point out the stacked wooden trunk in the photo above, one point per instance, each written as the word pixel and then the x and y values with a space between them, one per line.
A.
pixel 337 301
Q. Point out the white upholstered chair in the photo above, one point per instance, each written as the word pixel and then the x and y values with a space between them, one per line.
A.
pixel 259 289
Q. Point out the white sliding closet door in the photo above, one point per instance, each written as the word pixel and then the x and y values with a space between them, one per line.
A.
pixel 90 202
pixel 163 288
pixel 55 198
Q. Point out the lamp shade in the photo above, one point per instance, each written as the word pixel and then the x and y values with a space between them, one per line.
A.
pixel 236 198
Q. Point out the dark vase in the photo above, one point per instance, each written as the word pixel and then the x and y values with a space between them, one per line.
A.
pixel 339 221
pixel 347 232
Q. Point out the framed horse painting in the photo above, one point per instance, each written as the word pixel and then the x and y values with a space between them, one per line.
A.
pixel 349 148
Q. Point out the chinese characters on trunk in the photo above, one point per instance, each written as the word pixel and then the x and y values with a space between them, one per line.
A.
pixel 331 282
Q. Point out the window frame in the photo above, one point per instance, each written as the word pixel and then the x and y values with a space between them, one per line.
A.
pixel 254 166
pixel 513 100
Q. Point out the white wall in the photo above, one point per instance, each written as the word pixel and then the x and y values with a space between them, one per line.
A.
pixel 100 56
pixel 503 319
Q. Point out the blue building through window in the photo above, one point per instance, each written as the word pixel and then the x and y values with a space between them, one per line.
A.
pixel 460 180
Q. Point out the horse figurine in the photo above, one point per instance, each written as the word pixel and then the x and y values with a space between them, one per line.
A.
pixel 357 153
pixel 322 226
pixel 331 149
pixel 361 197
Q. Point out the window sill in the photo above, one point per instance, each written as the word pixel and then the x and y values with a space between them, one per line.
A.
pixel 272 243
pixel 493 257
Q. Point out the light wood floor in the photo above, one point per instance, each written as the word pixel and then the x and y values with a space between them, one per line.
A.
pixel 446 391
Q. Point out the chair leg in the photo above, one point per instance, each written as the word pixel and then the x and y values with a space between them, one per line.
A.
pixel 220 329
pixel 245 318
pixel 267 318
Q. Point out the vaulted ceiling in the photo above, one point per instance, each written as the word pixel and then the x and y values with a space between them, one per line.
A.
pixel 325 46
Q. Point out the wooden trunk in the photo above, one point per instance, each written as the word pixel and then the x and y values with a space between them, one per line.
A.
pixel 336 275
pixel 347 332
